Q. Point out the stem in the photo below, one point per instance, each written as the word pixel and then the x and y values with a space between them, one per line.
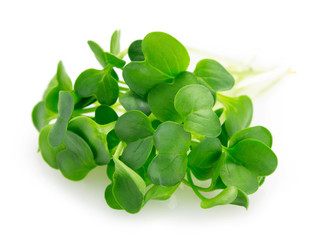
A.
pixel 78 112
pixel 106 128
pixel 123 88
pixel 122 54
pixel 195 190
pixel 118 151
pixel 122 82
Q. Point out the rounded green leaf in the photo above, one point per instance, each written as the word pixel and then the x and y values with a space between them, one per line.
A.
pixel 136 153
pixel 245 162
pixel 169 166
pixel 203 158
pixel 257 133
pixel 105 114
pixel 214 74
pixel 87 82
pixel 132 126
pixel 194 103
pixel 233 174
pixel 206 153
pixel 141 77
pixel 167 169
pixel 192 98
pixel 255 156
pixel 165 53
pixel 47 151
pixel 77 159
pixel 41 116
pixel 165 58
pixel 161 97
pixel 110 199
pixel 238 112
pixel 94 135
pixel 128 187
pixel 135 51
pixel 107 91
pixel 112 140
pixel 170 138
pixel 131 101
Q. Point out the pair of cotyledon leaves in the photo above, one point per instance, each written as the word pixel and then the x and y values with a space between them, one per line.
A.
pixel 247 158
pixel 103 84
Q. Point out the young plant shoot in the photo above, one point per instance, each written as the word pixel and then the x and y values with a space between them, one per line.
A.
pixel 156 127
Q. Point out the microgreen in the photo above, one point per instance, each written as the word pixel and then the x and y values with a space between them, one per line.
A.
pixel 156 128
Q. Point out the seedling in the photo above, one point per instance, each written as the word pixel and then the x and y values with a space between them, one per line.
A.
pixel 156 128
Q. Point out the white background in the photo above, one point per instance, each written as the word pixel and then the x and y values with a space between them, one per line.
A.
pixel 36 202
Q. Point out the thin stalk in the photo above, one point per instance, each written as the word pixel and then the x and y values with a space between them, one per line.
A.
pixel 78 112
pixel 122 54
pixel 195 190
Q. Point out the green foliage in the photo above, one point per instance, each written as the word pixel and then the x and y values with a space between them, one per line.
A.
pixel 155 129
pixel 194 103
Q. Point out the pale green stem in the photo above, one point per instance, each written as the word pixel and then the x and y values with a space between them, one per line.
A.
pixel 122 54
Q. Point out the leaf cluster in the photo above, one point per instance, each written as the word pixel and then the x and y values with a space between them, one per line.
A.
pixel 156 128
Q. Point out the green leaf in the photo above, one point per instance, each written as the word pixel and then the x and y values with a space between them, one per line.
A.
pixel 257 133
pixel 60 81
pixel 128 187
pixel 110 199
pixel 115 42
pixel 87 82
pixel 165 53
pixel 82 102
pixel 165 58
pixel 241 199
pixel 132 126
pixel 114 60
pixel 41 116
pixel 65 110
pixel 141 77
pixel 77 159
pixel 47 151
pixel 245 162
pixel 108 90
pixel 169 166
pixel 203 158
pixel 99 83
pixel 110 170
pixel 99 53
pixel 135 51
pixel 194 103
pixel 157 192
pixel 238 112
pixel 105 114
pixel 131 101
pixel 112 140
pixel 214 74
pixel 161 97
pixel 136 153
pixel 95 136
pixel 227 196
